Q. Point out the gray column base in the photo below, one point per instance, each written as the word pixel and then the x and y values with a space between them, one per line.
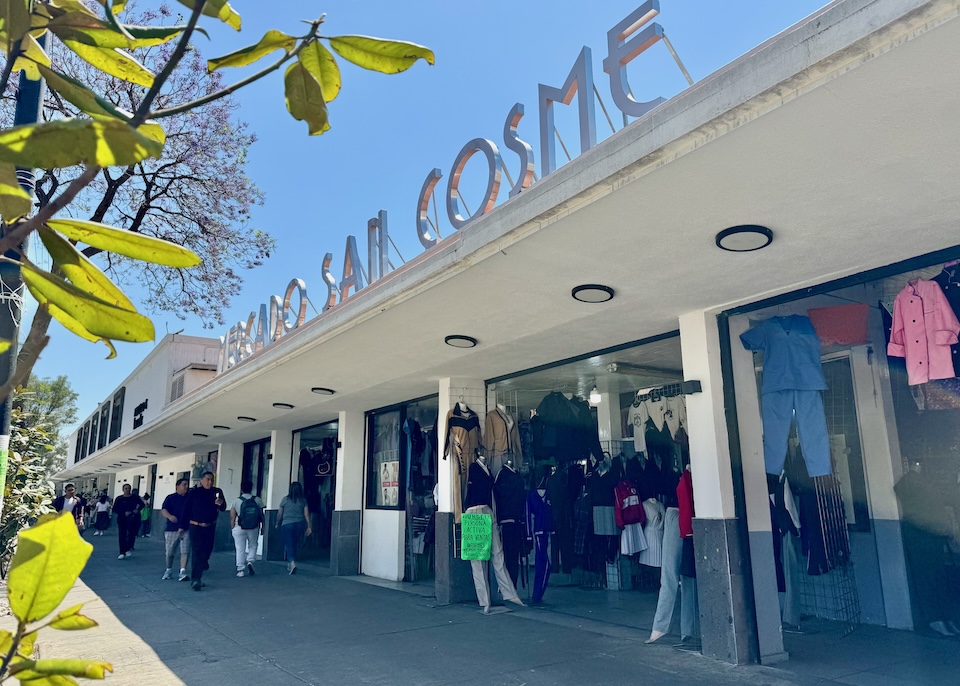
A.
pixel 727 626
pixel 345 543
pixel 272 538
pixel 454 579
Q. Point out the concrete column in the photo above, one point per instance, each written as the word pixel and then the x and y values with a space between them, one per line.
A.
pixel 757 501
pixel 726 603
pixel 454 581
pixel 608 417
pixel 278 471
pixel 348 498
pixel 230 467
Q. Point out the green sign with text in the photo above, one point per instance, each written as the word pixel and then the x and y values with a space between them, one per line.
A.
pixel 475 536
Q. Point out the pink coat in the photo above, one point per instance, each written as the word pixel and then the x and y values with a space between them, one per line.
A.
pixel 924 328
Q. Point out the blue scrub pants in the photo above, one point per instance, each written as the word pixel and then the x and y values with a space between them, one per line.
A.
pixel 777 409
pixel 541 566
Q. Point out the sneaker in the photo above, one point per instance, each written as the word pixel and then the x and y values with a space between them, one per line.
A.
pixel 240 574
pixel 250 571
pixel 121 556
pixel 183 575
pixel 195 585
pixel 167 575
pixel 129 553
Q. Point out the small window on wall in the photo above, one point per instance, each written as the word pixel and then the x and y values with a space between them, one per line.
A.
pixel 82 440
pixel 116 417
pixel 94 432
pixel 385 477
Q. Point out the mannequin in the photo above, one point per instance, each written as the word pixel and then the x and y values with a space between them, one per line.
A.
pixel 539 528
pixel 461 442
pixel 479 500
pixel 509 494
pixel 501 438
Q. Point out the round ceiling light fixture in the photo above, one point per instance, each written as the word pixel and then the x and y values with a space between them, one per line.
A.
pixel 221 427
pixel 458 341
pixel 320 390
pixel 283 406
pixel 592 293
pixel 744 238
pixel 246 419
pixel 201 435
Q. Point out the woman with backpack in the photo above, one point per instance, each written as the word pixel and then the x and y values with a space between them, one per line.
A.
pixel 293 519
pixel 246 516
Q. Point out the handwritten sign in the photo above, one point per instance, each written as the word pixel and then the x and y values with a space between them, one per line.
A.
pixel 476 536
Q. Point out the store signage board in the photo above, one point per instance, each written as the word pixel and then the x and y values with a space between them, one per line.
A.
pixel 476 536
pixel 625 41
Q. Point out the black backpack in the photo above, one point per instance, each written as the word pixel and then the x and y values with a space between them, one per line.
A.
pixel 250 515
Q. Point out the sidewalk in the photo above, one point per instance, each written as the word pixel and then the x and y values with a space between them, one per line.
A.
pixel 313 628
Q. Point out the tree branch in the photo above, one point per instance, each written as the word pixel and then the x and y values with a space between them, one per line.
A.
pixel 36 341
pixel 113 186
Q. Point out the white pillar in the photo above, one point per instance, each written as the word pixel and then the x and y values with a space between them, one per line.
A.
pixel 230 467
pixel 351 457
pixel 278 474
pixel 608 418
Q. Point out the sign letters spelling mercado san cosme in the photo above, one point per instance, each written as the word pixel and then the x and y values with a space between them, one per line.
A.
pixel 625 41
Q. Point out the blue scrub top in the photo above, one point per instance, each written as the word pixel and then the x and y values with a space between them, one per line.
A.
pixel 791 353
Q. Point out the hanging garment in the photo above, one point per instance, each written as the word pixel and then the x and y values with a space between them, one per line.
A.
pixel 675 414
pixel 587 432
pixel 501 439
pixel 480 568
pixel 583 524
pixel 648 411
pixel 670 582
pixel 461 442
pixel 629 508
pixel 949 280
pixel 924 328
pixel 653 532
pixel 510 495
pixel 561 510
pixel 558 424
pixel 604 521
pixel 512 535
pixel 791 353
pixel 479 487
pixel 841 324
pixel 778 410
pixel 539 528
pixel 632 540
pixel 685 501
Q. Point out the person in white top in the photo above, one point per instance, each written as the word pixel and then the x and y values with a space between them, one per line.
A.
pixel 246 518
pixel 103 515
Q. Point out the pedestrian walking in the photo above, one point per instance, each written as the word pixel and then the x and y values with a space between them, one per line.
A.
pixel 146 516
pixel 103 515
pixel 200 511
pixel 172 511
pixel 246 516
pixel 72 503
pixel 127 508
pixel 293 519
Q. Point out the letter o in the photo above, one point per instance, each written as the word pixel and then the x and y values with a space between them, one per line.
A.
pixel 299 285
pixel 489 149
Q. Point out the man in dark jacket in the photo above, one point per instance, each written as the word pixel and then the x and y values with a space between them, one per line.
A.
pixel 72 503
pixel 200 512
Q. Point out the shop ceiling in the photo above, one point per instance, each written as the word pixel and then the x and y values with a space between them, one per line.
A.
pixel 853 162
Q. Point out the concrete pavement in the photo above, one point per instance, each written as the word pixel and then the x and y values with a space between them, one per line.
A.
pixel 313 628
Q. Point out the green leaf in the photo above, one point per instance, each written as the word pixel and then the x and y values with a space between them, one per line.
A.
pixel 68 142
pixel 31 57
pixel 118 6
pixel 48 561
pixel 113 62
pixel 14 201
pixel 4 347
pixel 14 21
pixel 80 96
pixel 321 63
pixel 379 54
pixel 272 41
pixel 305 98
pixel 217 8
pixel 96 316
pixel 81 272
pixel 128 243
pixel 88 669
pixel 146 36
pixel 76 328
pixel 71 620
pixel 53 680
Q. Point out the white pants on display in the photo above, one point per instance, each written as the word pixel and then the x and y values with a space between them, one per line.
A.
pixel 480 567
pixel 670 581
pixel 245 541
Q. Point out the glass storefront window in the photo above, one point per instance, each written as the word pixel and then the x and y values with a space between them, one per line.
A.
pixel 384 482
pixel 314 465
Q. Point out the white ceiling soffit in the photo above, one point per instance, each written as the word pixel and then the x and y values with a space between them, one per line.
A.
pixel 851 160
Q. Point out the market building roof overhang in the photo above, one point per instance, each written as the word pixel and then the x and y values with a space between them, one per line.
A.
pixel 838 134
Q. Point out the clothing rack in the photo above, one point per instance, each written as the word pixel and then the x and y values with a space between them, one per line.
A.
pixel 669 391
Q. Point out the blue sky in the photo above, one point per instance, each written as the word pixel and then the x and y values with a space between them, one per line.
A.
pixel 388 132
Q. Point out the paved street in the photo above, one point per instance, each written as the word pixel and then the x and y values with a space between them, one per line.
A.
pixel 312 628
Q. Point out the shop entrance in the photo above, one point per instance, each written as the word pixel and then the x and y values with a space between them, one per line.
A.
pixel 315 467
pixel 600 449
pixel 864 488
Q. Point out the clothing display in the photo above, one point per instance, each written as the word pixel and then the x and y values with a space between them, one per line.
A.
pixel 841 324
pixel 792 381
pixel 605 521
pixel 479 486
pixel 561 509
pixel 629 508
pixel 632 540
pixel 539 528
pixel 481 581
pixel 501 439
pixel 924 328
pixel 510 495
pixel 685 504
pixel 949 281
pixel 316 464
pixel 460 445
pixel 671 582
pixel 653 532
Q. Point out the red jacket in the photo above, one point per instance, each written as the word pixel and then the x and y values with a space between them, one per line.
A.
pixel 629 509
pixel 685 496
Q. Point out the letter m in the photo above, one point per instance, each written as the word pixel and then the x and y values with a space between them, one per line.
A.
pixel 579 82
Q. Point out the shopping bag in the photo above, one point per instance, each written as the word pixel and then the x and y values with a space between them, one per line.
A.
pixel 476 535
